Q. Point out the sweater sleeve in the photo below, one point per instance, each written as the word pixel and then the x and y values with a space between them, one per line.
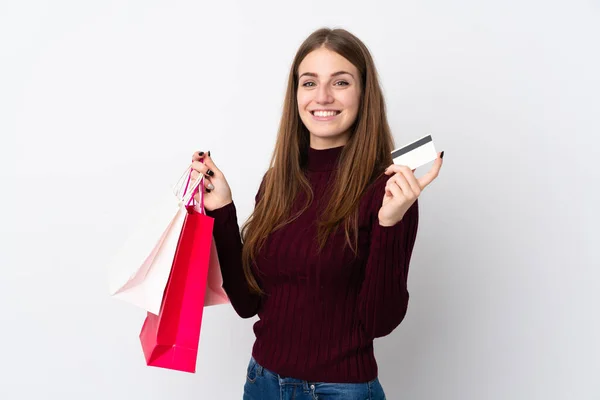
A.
pixel 228 241
pixel 383 299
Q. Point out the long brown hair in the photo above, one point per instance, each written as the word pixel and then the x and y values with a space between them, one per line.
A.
pixel 370 142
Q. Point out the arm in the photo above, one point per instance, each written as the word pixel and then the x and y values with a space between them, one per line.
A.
pixel 383 298
pixel 228 241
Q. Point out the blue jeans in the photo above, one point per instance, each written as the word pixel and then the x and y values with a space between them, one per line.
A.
pixel 262 384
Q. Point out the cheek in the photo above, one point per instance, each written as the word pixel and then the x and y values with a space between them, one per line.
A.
pixel 303 101
pixel 351 100
pixel 351 103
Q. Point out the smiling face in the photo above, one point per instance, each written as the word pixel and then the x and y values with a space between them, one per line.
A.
pixel 328 97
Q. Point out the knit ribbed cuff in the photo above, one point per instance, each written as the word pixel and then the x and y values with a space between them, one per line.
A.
pixel 387 244
pixel 223 214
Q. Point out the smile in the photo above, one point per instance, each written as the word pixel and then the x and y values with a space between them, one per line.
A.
pixel 319 113
pixel 324 115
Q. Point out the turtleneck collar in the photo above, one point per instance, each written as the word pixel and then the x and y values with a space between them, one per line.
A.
pixel 323 160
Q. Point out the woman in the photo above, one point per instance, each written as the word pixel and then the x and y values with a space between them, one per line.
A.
pixel 323 259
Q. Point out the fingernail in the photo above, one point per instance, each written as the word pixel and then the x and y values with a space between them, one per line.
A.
pixel 441 155
pixel 210 186
pixel 201 153
pixel 209 173
pixel 209 153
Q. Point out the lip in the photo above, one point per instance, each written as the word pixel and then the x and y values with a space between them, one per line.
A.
pixel 324 118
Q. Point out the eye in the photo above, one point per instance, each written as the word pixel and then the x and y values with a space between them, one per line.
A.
pixel 306 84
pixel 343 82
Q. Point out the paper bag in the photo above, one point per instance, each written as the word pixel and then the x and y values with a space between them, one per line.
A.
pixel 140 271
pixel 170 339
pixel 214 285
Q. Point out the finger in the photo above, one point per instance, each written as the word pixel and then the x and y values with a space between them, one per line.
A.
pixel 197 156
pixel 211 165
pixel 200 167
pixel 206 180
pixel 395 168
pixel 411 179
pixel 194 179
pixel 426 179
pixel 402 183
pixel 395 190
pixel 195 175
pixel 392 169
pixel 208 184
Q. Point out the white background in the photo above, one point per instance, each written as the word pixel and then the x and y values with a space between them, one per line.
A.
pixel 102 104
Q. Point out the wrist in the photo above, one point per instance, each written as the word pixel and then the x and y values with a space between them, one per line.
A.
pixel 225 203
pixel 387 223
pixel 217 207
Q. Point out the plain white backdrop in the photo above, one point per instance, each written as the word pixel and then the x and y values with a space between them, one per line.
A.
pixel 103 102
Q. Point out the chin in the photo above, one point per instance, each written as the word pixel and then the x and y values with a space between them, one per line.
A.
pixel 327 135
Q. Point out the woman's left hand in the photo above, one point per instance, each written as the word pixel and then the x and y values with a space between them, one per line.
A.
pixel 403 189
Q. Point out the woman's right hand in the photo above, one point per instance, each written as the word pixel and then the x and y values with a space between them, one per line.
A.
pixel 217 193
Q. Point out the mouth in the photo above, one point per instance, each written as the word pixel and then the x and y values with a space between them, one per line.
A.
pixel 325 115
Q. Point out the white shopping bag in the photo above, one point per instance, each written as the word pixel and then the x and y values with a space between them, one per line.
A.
pixel 140 271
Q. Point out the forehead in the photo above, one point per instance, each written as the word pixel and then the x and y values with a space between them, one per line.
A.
pixel 325 62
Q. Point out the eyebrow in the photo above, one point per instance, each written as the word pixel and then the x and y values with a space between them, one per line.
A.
pixel 332 75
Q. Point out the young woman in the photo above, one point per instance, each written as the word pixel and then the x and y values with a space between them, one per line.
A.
pixel 323 260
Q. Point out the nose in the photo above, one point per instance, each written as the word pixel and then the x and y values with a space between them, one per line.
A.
pixel 324 95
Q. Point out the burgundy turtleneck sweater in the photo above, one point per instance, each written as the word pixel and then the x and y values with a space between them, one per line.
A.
pixel 321 313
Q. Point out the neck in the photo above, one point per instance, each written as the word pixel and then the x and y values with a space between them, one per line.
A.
pixel 323 159
pixel 319 143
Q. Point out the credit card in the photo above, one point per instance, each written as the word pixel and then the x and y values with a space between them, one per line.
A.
pixel 415 154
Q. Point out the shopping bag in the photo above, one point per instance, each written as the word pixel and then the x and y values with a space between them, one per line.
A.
pixel 140 271
pixel 170 339
pixel 215 294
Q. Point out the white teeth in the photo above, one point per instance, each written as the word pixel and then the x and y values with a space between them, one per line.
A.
pixel 324 113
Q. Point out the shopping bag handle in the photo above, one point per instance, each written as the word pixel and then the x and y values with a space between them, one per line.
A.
pixel 187 197
pixel 196 188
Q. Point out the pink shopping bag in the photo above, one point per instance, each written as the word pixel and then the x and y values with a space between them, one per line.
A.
pixel 214 284
pixel 170 339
